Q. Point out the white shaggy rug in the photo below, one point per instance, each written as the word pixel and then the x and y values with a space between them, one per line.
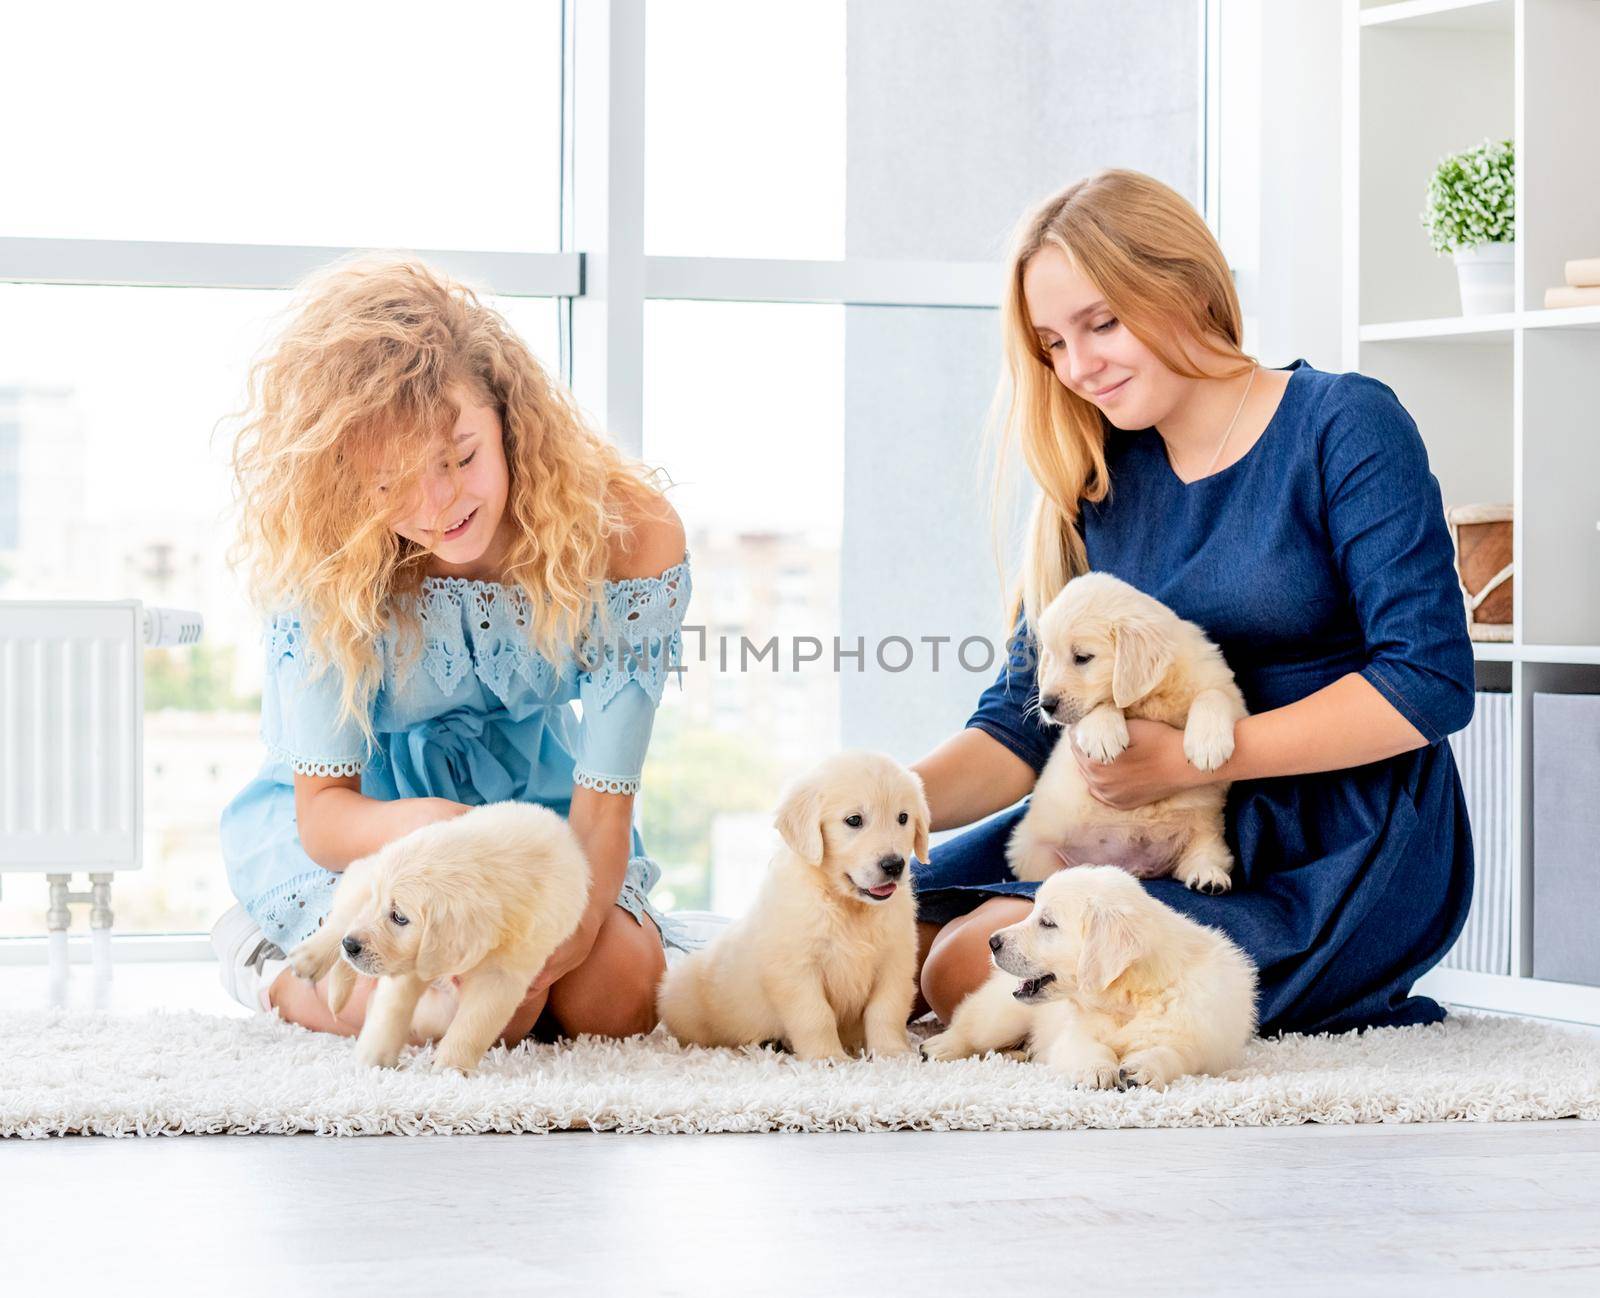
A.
pixel 166 1073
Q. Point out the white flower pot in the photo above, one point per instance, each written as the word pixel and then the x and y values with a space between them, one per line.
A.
pixel 1486 275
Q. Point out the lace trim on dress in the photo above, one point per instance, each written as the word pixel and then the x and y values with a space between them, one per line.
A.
pixel 603 785
pixel 295 909
pixel 308 766
pixel 482 626
pixel 284 639
pixel 644 616
pixel 640 636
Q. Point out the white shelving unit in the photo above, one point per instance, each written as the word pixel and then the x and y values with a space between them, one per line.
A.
pixel 1509 405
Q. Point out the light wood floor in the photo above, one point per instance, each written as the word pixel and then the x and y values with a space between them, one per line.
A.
pixel 1419 1210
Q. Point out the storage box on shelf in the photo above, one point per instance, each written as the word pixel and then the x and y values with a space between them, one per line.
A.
pixel 1566 837
pixel 1509 405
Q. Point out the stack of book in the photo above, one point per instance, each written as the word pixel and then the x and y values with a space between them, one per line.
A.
pixel 1582 287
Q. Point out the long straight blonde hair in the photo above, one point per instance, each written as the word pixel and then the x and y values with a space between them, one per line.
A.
pixel 362 377
pixel 1163 275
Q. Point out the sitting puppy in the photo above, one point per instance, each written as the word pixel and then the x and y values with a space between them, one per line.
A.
pixel 1108 987
pixel 486 897
pixel 826 958
pixel 1107 652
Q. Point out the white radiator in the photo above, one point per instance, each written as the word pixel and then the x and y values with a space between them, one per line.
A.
pixel 71 751
pixel 1483 754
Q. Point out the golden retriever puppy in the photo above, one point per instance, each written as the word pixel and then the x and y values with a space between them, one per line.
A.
pixel 826 957
pixel 486 898
pixel 1108 987
pixel 1108 652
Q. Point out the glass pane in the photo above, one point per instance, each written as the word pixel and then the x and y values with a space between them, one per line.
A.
pixel 356 124
pixel 538 321
pixel 118 487
pixel 756 447
pixel 745 103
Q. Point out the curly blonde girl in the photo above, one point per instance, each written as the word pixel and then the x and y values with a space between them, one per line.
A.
pixel 356 393
pixel 1164 276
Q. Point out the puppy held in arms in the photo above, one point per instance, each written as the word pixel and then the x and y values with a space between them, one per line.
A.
pixel 826 957
pixel 1108 652
pixel 1108 987
pixel 485 897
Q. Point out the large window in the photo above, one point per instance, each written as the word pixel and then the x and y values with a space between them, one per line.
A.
pixel 762 240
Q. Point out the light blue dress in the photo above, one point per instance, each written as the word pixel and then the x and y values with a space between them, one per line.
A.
pixel 477 716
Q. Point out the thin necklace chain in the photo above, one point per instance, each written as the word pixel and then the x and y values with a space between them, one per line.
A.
pixel 1228 432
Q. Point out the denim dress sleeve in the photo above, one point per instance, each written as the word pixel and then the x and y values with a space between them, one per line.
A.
pixel 1008 710
pixel 1392 547
pixel 635 641
pixel 301 721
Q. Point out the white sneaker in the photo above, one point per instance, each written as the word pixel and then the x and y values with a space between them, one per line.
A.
pixel 247 963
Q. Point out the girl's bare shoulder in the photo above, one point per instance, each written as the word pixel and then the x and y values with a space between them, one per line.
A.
pixel 653 541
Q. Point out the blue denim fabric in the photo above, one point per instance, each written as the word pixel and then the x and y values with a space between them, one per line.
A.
pixel 1323 551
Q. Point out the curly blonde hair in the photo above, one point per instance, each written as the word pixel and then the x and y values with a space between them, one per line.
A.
pixel 359 378
pixel 1164 276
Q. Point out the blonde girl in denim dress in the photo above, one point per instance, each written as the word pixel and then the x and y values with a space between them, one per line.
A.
pixel 448 558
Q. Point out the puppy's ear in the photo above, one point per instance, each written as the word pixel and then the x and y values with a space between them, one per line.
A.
pixel 341 982
pixel 799 821
pixel 457 932
pixel 923 819
pixel 1143 655
pixel 1111 942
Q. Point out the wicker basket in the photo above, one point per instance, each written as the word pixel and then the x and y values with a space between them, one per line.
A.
pixel 1482 537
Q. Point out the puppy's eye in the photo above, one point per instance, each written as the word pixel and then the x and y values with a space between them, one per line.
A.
pixel 1046 922
pixel 395 917
pixel 1082 659
pixel 904 817
pixel 854 821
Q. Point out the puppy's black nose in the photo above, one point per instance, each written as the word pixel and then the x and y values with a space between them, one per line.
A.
pixel 996 942
pixel 351 946
pixel 1048 703
pixel 892 866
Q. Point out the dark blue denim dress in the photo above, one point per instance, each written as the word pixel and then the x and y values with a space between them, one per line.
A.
pixel 1323 551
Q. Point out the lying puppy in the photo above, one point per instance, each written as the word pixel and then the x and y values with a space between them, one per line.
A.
pixel 1108 652
pixel 1108 987
pixel 826 958
pixel 486 897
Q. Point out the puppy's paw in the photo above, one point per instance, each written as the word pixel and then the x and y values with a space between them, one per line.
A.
pixel 370 1054
pixel 839 1056
pixel 1098 1075
pixel 1154 1067
pixel 1103 735
pixel 1207 745
pixel 444 1064
pixel 891 1049
pixel 312 958
pixel 945 1045
pixel 1203 876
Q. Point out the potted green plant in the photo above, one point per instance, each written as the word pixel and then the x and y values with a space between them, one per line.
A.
pixel 1471 214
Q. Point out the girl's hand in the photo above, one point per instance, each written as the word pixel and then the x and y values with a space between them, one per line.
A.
pixel 568 956
pixel 1151 767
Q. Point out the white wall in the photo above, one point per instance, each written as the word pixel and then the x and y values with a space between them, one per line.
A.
pixel 1280 222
